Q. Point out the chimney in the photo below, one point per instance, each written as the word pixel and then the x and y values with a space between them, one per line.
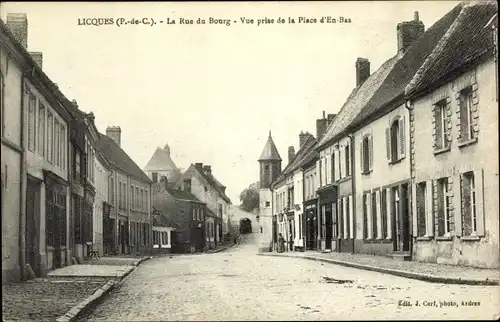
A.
pixel 302 138
pixel 37 57
pixel 207 169
pixel 331 117
pixel 199 166
pixel 321 125
pixel 291 153
pixel 408 32
pixel 114 132
pixel 18 25
pixel 362 70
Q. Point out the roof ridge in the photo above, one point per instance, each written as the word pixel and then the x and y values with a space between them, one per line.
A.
pixel 417 78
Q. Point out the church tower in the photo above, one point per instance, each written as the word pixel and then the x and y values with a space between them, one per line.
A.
pixel 270 169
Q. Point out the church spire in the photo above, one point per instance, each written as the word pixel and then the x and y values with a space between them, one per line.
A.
pixel 270 151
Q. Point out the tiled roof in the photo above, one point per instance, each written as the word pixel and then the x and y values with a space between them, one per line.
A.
pixel 183 195
pixel 161 218
pixel 160 161
pixel 406 67
pixel 356 101
pixel 311 156
pixel 466 41
pixel 270 151
pixel 299 157
pixel 119 158
pixel 214 183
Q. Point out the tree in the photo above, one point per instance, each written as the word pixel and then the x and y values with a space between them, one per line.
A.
pixel 249 198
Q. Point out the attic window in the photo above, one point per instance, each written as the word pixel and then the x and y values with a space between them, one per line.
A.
pixel 206 189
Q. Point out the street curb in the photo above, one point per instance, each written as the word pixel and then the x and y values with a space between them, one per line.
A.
pixel 73 314
pixel 222 249
pixel 412 275
pixel 75 311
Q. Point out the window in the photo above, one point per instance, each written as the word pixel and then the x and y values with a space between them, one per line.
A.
pixel 77 165
pixel 365 215
pixel 383 213
pixel 155 177
pixel 441 121
pixel 146 201
pixel 112 191
pixel 444 225
pixel 50 135
pixel 136 198
pixel 374 215
pixel 41 130
pixel 347 217
pixel 395 140
pixel 421 209
pixel 63 146
pixel 194 213
pixel 132 199
pixel 31 122
pixel 366 154
pixel 467 132
pixel 469 211
pixel 268 204
pixel 347 160
pixel 57 153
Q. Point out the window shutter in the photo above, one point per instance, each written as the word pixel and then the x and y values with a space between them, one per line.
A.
pixel 389 212
pixel 478 182
pixel 338 221
pixel 336 164
pixel 448 120
pixel 361 160
pixel 402 135
pixel 414 209
pixel 370 152
pixel 319 172
pixel 388 143
pixel 435 125
pixel 429 208
pixel 369 215
pixel 378 215
pixel 344 216
pixel 342 162
pixel 351 217
pixel 457 204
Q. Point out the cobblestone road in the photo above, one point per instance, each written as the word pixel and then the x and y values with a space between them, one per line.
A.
pixel 239 285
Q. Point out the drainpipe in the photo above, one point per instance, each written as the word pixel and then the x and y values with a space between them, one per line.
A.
pixel 409 107
pixel 23 185
pixel 353 188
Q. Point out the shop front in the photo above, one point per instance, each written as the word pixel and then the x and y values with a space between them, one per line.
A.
pixel 328 223
pixel 311 224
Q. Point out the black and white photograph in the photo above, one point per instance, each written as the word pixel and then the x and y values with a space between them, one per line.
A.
pixel 249 161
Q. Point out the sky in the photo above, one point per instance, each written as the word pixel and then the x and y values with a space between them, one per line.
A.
pixel 213 92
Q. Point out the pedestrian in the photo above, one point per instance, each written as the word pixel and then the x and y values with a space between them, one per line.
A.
pixel 281 243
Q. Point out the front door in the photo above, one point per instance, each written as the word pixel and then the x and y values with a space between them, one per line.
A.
pixel 122 237
pixel 32 214
pixel 329 226
pixel 404 220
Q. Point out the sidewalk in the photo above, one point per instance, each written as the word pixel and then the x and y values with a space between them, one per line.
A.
pixel 436 273
pixel 65 292
pixel 220 248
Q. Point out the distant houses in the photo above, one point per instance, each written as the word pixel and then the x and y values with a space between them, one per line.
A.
pixel 430 191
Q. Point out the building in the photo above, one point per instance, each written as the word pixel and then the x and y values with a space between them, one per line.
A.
pixel 181 209
pixel 269 169
pixel 161 165
pixel 203 185
pixel 35 181
pixel 101 205
pixel 163 233
pixel 128 227
pixel 453 102
pixel 382 180
pixel 310 204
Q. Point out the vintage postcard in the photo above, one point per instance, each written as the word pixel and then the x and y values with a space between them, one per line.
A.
pixel 249 161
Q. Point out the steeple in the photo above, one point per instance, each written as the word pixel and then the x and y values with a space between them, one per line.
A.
pixel 270 163
pixel 270 151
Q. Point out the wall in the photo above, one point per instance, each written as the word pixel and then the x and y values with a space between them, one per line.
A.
pixel 484 251
pixel 101 184
pixel 383 174
pixel 265 220
pixel 10 167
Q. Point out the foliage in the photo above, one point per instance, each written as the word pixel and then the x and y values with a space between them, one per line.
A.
pixel 249 198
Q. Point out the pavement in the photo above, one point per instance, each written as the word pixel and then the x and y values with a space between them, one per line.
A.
pixel 430 272
pixel 238 284
pixel 66 291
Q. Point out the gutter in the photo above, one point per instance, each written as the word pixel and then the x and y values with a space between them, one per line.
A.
pixel 353 188
pixel 409 107
pixel 23 185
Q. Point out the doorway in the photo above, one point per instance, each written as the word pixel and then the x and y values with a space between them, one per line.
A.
pixel 329 226
pixel 32 216
pixel 400 215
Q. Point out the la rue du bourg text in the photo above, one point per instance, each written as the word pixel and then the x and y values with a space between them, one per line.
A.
pixel 211 21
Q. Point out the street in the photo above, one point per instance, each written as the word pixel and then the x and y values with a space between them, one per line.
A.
pixel 237 284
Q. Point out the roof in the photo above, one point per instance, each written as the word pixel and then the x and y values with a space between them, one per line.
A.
pixel 311 156
pixel 405 68
pixel 356 101
pixel 270 151
pixel 161 218
pixel 467 41
pixel 214 183
pixel 118 158
pixel 182 195
pixel 160 161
